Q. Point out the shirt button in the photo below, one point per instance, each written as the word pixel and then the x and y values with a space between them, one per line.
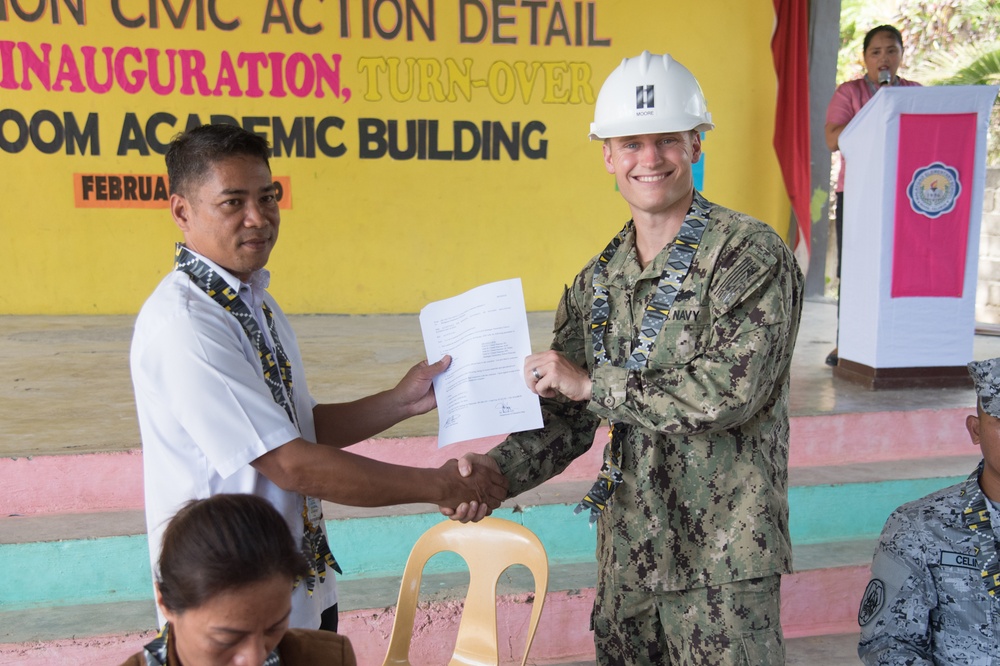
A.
pixel 609 401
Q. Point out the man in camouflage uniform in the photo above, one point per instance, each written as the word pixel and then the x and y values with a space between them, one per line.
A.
pixel 680 334
pixel 932 596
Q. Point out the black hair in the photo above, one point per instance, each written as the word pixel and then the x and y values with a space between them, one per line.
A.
pixel 222 543
pixel 893 32
pixel 191 154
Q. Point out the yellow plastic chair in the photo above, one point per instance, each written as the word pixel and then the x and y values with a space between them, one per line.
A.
pixel 488 547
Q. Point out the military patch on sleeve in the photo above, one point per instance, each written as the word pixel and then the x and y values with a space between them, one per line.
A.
pixel 872 602
pixel 744 276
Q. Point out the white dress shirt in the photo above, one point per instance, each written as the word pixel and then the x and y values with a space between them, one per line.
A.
pixel 205 412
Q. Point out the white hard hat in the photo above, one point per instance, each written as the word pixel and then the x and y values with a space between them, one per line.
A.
pixel 649 94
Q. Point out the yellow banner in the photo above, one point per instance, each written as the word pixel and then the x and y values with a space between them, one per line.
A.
pixel 432 146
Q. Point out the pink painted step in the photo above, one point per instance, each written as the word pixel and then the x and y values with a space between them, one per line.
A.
pixel 113 481
pixel 562 637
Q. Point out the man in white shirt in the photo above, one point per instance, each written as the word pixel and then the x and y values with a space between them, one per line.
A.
pixel 220 387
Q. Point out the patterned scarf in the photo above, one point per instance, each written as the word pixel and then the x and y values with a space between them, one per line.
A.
pixel 977 518
pixel 278 377
pixel 667 286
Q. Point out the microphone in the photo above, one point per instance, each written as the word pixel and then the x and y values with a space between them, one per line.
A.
pixel 884 77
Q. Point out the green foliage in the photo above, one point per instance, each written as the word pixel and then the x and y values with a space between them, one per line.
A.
pixel 945 42
pixel 969 66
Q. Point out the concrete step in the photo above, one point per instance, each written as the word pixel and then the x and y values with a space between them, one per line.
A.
pixel 367 612
pixel 837 511
pixel 109 648
pixel 77 367
pixel 834 650
pixel 366 616
pixel 362 594
pixel 832 553
pixel 110 481
pixel 830 650
pixel 811 487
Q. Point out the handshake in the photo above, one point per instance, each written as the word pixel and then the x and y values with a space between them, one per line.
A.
pixel 475 476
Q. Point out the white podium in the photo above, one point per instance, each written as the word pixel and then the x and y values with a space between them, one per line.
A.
pixel 913 201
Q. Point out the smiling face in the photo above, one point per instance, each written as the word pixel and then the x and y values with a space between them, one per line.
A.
pixel 884 52
pixel 237 627
pixel 231 215
pixel 653 171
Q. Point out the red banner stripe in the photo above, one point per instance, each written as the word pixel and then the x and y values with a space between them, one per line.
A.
pixel 933 202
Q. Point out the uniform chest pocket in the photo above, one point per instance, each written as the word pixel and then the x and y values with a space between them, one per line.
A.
pixel 684 336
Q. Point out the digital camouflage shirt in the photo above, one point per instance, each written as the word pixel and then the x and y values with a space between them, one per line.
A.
pixel 927 601
pixel 704 497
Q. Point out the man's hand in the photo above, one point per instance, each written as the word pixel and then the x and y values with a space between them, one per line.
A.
pixel 343 477
pixel 344 423
pixel 415 391
pixel 550 374
pixel 484 484
pixel 470 464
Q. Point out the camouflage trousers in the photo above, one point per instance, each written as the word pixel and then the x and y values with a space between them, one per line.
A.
pixel 737 624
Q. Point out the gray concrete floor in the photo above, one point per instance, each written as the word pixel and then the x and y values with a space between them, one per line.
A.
pixel 67 387
pixel 833 650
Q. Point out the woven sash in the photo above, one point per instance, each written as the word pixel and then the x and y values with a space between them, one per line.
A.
pixel 977 518
pixel 665 291
pixel 278 377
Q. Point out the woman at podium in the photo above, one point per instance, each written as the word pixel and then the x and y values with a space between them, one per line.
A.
pixel 882 50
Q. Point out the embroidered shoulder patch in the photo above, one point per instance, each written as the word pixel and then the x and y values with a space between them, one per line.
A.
pixel 872 601
pixel 743 276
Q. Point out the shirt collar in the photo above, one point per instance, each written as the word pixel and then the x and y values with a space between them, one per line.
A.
pixel 627 259
pixel 260 279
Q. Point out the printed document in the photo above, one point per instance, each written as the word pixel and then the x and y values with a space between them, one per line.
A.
pixel 483 392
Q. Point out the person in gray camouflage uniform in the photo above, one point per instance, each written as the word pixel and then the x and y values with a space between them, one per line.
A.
pixel 935 575
pixel 692 501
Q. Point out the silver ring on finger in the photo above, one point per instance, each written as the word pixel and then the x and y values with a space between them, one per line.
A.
pixel 534 373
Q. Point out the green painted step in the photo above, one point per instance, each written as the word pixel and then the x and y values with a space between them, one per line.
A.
pixel 117 567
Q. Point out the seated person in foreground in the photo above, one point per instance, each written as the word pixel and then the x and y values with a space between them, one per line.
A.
pixel 227 569
pixel 932 596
